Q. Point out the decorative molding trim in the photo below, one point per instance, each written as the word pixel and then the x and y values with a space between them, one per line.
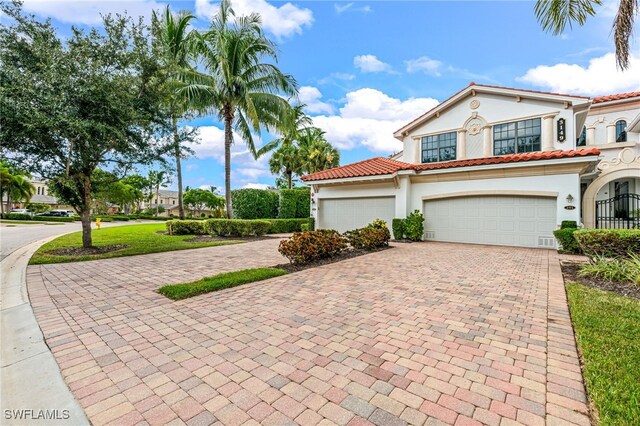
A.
pixel 548 194
pixel 626 159
pixel 474 104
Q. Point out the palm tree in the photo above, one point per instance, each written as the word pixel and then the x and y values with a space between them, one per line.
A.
pixel 554 15
pixel 237 85
pixel 19 189
pixel 157 179
pixel 286 161
pixel 315 152
pixel 176 43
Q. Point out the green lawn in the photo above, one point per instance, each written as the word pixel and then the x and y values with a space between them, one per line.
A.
pixel 139 239
pixel 219 282
pixel 607 328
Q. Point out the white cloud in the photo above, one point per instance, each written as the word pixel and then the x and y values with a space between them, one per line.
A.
pixel 370 63
pixel 424 64
pixel 282 21
pixel 331 78
pixel 340 8
pixel 599 77
pixel 369 118
pixel 310 96
pixel 88 12
pixel 256 186
pixel 191 167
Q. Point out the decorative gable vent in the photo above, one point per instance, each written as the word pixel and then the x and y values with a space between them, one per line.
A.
pixel 548 242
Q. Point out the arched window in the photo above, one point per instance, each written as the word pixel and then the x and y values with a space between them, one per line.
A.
pixel 621 131
pixel 582 139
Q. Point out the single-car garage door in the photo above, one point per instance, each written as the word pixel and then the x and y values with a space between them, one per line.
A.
pixel 499 220
pixel 343 214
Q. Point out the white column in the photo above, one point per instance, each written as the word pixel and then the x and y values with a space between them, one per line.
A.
pixel 462 145
pixel 548 139
pixel 611 133
pixel 487 141
pixel 591 136
pixel 403 193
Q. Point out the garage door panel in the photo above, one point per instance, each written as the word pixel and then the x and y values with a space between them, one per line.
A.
pixel 501 220
pixel 343 214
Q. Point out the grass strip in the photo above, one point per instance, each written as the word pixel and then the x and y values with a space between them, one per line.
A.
pixel 607 328
pixel 219 282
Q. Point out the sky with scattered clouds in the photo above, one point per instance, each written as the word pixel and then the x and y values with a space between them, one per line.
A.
pixel 365 68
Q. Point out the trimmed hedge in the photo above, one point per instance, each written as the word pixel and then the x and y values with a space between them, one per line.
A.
pixel 567 240
pixel 305 247
pixel 398 228
pixel 568 224
pixel 53 218
pixel 294 203
pixel 304 227
pixel 254 203
pixel 611 243
pixel 312 223
pixel 280 226
pixel 237 227
pixel 16 216
pixel 187 227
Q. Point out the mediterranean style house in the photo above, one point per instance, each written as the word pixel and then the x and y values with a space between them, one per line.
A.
pixel 498 165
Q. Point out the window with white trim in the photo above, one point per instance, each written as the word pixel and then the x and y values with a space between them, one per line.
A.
pixel 440 147
pixel 621 131
pixel 517 137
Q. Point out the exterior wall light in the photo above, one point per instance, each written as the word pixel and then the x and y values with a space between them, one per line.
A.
pixel 569 198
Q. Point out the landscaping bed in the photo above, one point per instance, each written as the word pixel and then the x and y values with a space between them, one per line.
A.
pixel 213 238
pixel 350 254
pixel 570 270
pixel 81 251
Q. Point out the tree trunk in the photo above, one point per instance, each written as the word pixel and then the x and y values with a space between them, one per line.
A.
pixel 9 202
pixel 176 142
pixel 157 200
pixel 290 178
pixel 228 140
pixel 85 214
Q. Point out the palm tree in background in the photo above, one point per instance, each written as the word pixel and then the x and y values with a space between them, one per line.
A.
pixel 316 154
pixel 176 46
pixel 156 180
pixel 14 184
pixel 554 15
pixel 236 84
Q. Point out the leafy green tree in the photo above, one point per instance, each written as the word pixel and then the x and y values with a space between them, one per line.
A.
pixel 73 104
pixel 554 15
pixel 140 184
pixel 197 199
pixel 239 83
pixel 176 46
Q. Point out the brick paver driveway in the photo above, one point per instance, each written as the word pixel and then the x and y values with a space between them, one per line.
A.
pixel 422 333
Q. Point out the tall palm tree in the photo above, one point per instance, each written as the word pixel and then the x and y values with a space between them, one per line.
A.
pixel 158 179
pixel 176 45
pixel 554 15
pixel 236 84
pixel 286 161
pixel 19 189
pixel 315 152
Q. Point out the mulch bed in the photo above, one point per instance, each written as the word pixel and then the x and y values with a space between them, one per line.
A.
pixel 212 238
pixel 570 273
pixel 292 267
pixel 80 251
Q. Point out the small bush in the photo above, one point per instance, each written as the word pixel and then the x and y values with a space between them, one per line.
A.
pixel 53 218
pixel 17 216
pixel 237 227
pixel 281 226
pixel 568 224
pixel 567 240
pixel 304 227
pixel 187 227
pixel 398 228
pixel 254 203
pixel 619 270
pixel 414 226
pixel 368 238
pixel 305 247
pixel 610 243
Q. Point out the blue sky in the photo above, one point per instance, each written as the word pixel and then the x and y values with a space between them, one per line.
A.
pixel 365 68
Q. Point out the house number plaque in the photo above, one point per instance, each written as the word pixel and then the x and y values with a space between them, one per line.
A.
pixel 569 207
pixel 562 135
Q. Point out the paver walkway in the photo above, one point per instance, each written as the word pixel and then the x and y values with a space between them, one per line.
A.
pixel 424 333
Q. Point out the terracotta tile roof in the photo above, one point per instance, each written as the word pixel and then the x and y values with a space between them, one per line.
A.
pixel 616 97
pixel 383 166
pixel 371 167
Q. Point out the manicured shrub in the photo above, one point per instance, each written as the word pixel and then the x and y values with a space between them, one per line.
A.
pixel 398 228
pixel 305 247
pixel 617 269
pixel 414 226
pixel 148 217
pixel 312 223
pixel 237 227
pixel 102 218
pixel 281 226
pixel 17 216
pixel 568 224
pixel 254 203
pixel 187 227
pixel 368 238
pixel 567 240
pixel 294 203
pixel 610 243
pixel 53 218
pixel 304 227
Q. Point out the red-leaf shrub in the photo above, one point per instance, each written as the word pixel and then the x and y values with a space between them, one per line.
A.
pixel 305 247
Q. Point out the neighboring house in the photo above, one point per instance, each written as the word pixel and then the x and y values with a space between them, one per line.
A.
pixel 497 165
pixel 42 196
pixel 169 201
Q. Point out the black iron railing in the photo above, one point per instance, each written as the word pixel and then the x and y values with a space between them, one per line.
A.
pixel 619 212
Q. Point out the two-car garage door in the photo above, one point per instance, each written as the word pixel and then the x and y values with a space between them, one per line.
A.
pixel 500 220
pixel 343 214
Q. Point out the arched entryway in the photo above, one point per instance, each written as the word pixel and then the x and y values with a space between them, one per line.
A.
pixel 625 166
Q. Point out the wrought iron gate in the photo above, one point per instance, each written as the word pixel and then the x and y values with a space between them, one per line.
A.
pixel 619 212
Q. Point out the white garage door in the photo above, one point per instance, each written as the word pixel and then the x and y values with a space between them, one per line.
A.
pixel 499 220
pixel 343 214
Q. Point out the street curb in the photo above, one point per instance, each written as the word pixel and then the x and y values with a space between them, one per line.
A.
pixel 33 390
